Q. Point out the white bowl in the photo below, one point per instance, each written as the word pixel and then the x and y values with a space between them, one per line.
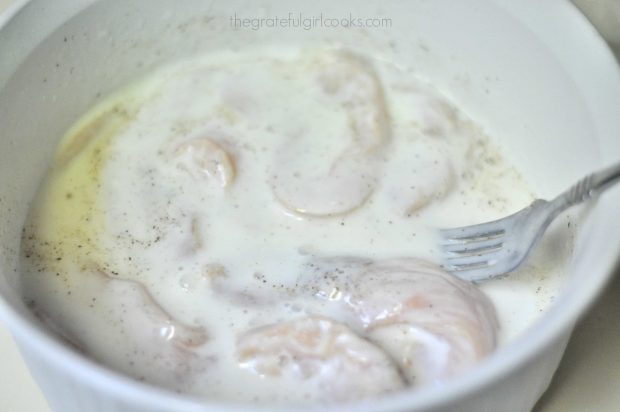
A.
pixel 534 74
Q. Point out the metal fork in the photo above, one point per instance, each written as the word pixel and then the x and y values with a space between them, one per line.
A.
pixel 488 250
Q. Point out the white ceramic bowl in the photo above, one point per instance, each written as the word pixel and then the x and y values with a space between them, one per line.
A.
pixel 534 74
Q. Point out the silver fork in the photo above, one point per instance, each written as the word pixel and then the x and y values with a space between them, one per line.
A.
pixel 487 250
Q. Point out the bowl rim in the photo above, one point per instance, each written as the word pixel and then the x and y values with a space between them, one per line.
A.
pixel 554 324
pixel 11 11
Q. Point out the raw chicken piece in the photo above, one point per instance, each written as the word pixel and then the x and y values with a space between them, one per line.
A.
pixel 433 324
pixel 322 354
pixel 170 358
pixel 352 176
pixel 203 157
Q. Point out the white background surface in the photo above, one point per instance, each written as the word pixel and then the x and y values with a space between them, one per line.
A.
pixel 588 378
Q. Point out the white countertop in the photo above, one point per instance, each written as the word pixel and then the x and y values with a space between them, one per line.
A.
pixel 588 378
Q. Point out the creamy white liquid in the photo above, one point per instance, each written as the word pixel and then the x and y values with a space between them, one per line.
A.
pixel 221 245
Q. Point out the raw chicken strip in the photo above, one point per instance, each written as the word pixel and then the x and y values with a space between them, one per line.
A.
pixel 432 324
pixel 321 353
pixel 352 177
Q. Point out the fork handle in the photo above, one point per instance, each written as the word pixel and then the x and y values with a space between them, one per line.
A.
pixel 588 187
